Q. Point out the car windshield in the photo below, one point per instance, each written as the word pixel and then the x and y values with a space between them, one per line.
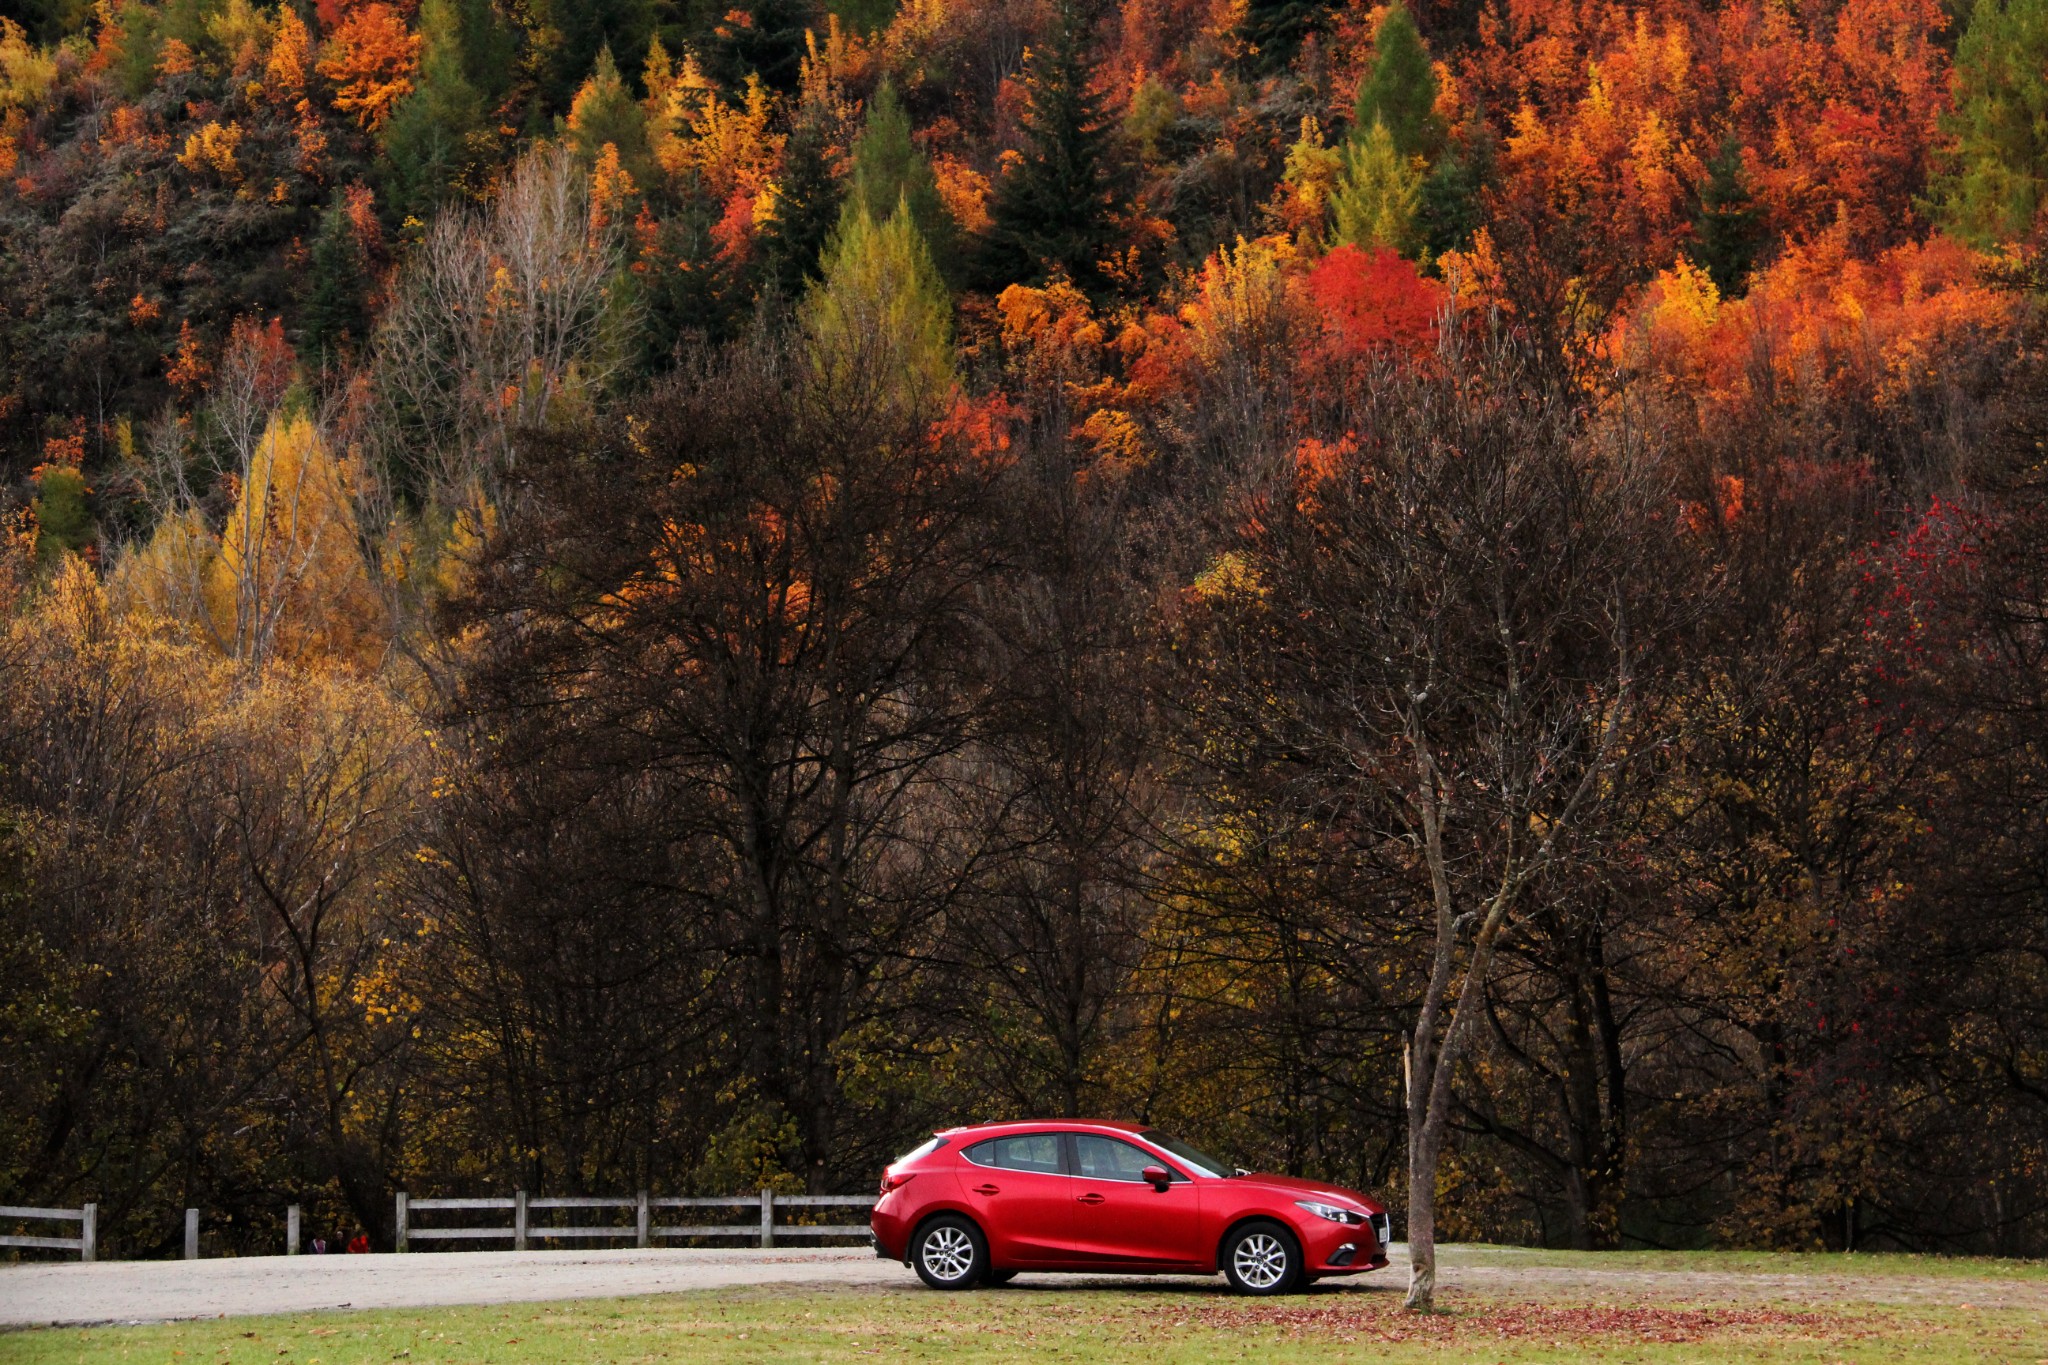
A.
pixel 1200 1160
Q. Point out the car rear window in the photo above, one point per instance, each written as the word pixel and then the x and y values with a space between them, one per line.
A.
pixel 925 1148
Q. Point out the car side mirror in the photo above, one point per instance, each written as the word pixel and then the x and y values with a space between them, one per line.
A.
pixel 1159 1177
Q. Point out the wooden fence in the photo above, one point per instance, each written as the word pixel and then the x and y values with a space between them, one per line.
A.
pixel 643 1229
pixel 86 1243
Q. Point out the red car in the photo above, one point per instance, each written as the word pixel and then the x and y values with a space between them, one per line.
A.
pixel 977 1205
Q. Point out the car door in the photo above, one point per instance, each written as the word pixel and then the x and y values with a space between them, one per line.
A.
pixel 1019 1191
pixel 1121 1219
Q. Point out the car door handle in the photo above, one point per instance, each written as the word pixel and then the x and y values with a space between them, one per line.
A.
pixel 1090 1198
pixel 988 1189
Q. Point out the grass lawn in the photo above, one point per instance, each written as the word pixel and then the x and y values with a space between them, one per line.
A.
pixel 1518 1306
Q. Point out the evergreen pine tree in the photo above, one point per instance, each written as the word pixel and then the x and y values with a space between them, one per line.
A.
pixel 1273 30
pixel 1053 209
pixel 1999 173
pixel 333 319
pixel 568 35
pixel 861 16
pixel 807 204
pixel 490 49
pixel 62 513
pixel 438 135
pixel 1395 134
pixel 888 169
pixel 1400 89
pixel 1449 211
pixel 1377 200
pixel 770 42
pixel 1729 227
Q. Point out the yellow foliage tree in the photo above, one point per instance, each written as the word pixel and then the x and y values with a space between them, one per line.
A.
pixel 284 72
pixel 290 579
pixel 213 148
pixel 728 147
pixel 285 579
pixel 27 73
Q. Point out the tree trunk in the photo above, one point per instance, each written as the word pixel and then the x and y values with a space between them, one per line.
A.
pixel 1422 1160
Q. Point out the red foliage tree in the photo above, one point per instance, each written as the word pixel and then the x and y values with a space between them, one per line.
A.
pixel 1375 303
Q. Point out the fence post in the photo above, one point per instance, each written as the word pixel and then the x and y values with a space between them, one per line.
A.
pixel 767 1217
pixel 291 1230
pixel 519 1221
pixel 191 1234
pixel 399 1241
pixel 89 1234
pixel 640 1222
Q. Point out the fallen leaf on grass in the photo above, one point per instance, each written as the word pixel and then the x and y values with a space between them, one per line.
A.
pixel 1650 1326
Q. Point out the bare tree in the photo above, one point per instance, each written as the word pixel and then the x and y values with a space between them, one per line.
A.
pixel 768 619
pixel 1439 635
pixel 501 315
pixel 1061 782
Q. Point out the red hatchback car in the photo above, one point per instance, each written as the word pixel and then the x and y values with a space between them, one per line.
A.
pixel 977 1205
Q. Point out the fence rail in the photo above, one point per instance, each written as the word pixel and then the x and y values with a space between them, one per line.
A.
pixel 643 1229
pixel 86 1243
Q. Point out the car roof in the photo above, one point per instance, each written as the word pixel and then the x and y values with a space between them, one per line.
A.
pixel 1044 1125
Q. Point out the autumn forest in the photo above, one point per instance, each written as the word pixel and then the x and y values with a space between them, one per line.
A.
pixel 602 595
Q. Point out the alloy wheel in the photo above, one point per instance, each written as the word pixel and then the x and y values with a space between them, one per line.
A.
pixel 948 1253
pixel 1260 1260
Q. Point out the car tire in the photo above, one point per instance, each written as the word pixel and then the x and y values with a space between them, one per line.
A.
pixel 996 1279
pixel 1262 1258
pixel 949 1253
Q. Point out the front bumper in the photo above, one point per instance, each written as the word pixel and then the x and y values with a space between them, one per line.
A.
pixel 1341 1248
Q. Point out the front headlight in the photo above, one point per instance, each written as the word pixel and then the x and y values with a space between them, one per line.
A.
pixel 1330 1211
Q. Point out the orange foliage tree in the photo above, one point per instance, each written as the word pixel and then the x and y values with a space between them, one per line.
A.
pixel 371 58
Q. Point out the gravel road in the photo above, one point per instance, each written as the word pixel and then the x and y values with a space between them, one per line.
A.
pixel 150 1291
pixel 49 1294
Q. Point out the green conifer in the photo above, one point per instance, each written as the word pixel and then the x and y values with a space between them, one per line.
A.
pixel 605 111
pixel 1449 211
pixel 63 516
pixel 808 196
pixel 490 49
pixel 860 16
pixel 566 37
pixel 333 319
pixel 1273 30
pixel 1999 171
pixel 1055 208
pixel 1729 227
pixel 438 135
pixel 1400 88
pixel 769 42
pixel 888 169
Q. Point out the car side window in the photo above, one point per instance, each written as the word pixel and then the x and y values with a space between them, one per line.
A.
pixel 1101 1158
pixel 1037 1152
pixel 981 1153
